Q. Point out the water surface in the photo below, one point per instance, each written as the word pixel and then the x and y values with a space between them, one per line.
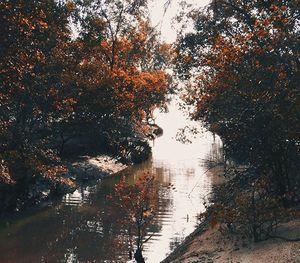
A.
pixel 80 228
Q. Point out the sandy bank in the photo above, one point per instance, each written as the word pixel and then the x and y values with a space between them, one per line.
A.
pixel 96 167
pixel 209 245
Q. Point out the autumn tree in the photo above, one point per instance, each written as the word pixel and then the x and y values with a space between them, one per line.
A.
pixel 121 78
pixel 119 17
pixel 137 205
pixel 101 79
pixel 35 58
pixel 243 60
pixel 241 69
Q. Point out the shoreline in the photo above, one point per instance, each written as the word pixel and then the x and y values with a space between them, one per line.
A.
pixel 179 250
pixel 95 167
pixel 214 243
pixel 211 245
pixel 82 169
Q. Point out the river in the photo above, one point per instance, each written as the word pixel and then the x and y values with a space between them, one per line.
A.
pixel 79 228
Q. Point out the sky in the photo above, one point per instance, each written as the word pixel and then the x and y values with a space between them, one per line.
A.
pixel 164 22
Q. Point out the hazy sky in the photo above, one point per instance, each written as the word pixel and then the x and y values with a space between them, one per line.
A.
pixel 164 22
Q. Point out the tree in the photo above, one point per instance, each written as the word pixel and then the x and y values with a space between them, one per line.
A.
pixel 243 59
pixel 102 82
pixel 121 77
pixel 137 205
pixel 119 18
pixel 34 52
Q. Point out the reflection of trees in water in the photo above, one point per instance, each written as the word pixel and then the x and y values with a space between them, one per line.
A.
pixel 215 157
pixel 189 171
pixel 82 228
pixel 164 202
pixel 84 232
pixel 119 232
pixel 65 233
pixel 139 204
pixel 95 237
pixel 88 236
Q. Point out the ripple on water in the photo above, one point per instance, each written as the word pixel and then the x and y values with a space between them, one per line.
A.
pixel 79 196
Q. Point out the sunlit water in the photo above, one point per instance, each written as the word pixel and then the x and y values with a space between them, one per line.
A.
pixel 80 228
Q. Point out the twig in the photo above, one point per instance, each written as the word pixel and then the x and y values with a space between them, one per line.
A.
pixel 286 239
pixel 189 195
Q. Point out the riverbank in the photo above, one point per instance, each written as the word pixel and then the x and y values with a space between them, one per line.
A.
pixel 214 242
pixel 84 160
pixel 80 170
pixel 208 244
pixel 95 167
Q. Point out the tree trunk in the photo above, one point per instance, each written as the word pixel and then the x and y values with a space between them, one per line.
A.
pixel 138 256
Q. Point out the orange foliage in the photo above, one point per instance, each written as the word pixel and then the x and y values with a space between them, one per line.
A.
pixel 137 205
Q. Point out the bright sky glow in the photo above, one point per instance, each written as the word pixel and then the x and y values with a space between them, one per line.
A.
pixel 164 22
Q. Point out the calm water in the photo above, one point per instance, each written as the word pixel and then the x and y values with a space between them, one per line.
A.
pixel 80 227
